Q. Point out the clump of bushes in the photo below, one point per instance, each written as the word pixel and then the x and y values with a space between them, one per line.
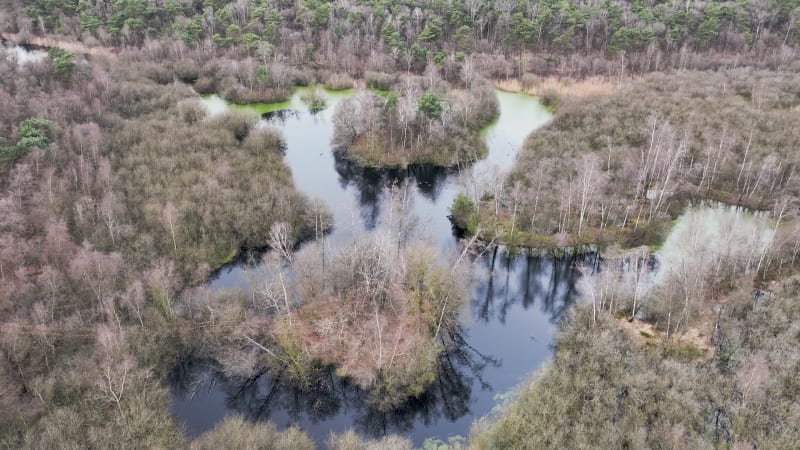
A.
pixel 415 124
pixel 550 98
pixel 378 80
pixel 529 82
pixel 464 214
pixel 339 81
pixel 235 432
pixel 211 189
pixel 314 98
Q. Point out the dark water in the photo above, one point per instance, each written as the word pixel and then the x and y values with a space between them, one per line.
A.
pixel 507 326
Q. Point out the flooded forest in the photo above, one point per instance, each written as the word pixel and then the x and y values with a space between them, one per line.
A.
pixel 390 224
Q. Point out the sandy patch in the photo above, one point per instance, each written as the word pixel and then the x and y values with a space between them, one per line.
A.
pixel 646 334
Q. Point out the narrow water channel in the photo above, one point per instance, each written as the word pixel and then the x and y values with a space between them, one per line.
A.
pixel 507 327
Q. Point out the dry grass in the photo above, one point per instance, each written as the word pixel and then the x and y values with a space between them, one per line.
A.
pixel 646 334
pixel 588 87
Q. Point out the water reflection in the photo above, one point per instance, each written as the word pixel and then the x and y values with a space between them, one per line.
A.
pixel 507 326
pixel 329 403
pixel 506 334
pixel 370 185
pixel 526 279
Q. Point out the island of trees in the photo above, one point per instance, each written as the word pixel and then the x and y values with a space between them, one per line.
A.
pixel 424 121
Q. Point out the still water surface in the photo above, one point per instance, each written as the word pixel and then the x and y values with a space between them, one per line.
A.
pixel 507 327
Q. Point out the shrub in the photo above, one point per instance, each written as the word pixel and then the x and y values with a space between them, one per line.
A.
pixel 462 210
pixel 235 432
pixel 550 98
pixel 339 81
pixel 529 81
pixel 379 80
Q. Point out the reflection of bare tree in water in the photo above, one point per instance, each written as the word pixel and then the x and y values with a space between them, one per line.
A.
pixel 193 377
pixel 525 279
pixel 371 184
pixel 429 179
pixel 265 393
pixel 261 395
pixel 280 116
pixel 448 397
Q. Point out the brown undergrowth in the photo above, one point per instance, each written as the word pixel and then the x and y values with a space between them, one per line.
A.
pixel 694 344
pixel 582 88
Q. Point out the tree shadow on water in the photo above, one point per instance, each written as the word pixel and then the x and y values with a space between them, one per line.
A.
pixel 370 183
pixel 507 279
pixel 328 400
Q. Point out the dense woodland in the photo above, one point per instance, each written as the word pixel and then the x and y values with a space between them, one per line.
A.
pixel 616 166
pixel 404 34
pixel 121 196
pixel 251 49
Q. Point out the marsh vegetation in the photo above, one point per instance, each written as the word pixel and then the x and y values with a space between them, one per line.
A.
pixel 125 199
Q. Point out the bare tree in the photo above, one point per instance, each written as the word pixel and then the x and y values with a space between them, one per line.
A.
pixel 134 299
pixel 115 364
pixel 107 211
pixel 281 241
pixel 591 180
pixel 274 291
pixel 401 212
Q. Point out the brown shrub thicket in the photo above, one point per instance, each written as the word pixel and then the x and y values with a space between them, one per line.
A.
pixel 622 392
pixel 629 159
pixel 132 195
pixel 419 120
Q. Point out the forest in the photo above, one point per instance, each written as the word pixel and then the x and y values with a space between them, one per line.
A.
pixel 661 188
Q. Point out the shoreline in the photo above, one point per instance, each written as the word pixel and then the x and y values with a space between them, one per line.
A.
pixel 581 88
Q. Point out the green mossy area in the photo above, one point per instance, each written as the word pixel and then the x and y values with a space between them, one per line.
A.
pixel 298 97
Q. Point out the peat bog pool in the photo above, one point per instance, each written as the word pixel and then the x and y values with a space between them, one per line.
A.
pixel 507 326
